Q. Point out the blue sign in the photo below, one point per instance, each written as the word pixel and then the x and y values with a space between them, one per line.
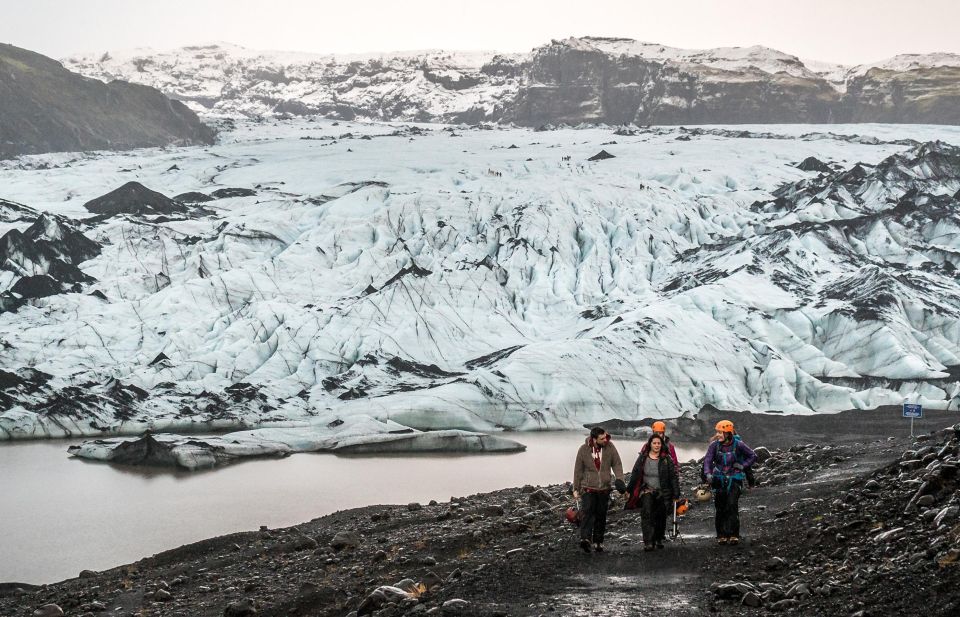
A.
pixel 912 411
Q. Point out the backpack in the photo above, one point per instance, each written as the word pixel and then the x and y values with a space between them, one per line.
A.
pixel 718 458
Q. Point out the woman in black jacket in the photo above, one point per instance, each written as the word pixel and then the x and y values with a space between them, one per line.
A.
pixel 653 486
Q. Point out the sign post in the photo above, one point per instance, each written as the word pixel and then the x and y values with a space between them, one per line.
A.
pixel 912 411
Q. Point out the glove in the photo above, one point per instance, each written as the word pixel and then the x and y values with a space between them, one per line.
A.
pixel 620 486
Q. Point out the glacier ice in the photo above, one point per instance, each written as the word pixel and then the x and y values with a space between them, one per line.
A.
pixel 442 280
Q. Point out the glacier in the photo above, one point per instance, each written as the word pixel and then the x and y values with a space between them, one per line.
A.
pixel 478 279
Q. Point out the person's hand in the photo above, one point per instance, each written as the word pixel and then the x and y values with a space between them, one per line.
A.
pixel 620 486
pixel 738 466
pixel 576 495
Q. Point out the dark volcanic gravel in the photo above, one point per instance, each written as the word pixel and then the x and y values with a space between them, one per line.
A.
pixel 863 525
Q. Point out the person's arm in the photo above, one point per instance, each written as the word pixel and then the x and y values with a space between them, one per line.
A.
pixel 577 474
pixel 634 475
pixel 616 464
pixel 708 459
pixel 749 456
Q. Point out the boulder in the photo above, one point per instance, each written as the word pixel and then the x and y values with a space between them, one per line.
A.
pixel 241 608
pixel 380 596
pixel 540 496
pixel 455 606
pixel 345 539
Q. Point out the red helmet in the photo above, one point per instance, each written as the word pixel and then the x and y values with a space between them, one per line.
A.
pixel 573 516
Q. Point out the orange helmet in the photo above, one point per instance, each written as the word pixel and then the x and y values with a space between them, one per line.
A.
pixel 659 427
pixel 724 426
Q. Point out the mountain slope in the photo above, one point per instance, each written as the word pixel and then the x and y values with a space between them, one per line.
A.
pixel 575 80
pixel 46 108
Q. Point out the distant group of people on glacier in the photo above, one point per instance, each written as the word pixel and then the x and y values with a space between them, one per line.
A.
pixel 654 485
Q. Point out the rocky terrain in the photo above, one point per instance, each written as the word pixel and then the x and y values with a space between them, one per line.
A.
pixel 46 108
pixel 841 524
pixel 572 81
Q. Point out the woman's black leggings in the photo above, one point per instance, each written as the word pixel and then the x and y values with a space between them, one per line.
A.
pixel 726 498
pixel 653 517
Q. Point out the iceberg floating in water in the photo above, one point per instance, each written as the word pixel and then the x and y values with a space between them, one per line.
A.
pixel 354 435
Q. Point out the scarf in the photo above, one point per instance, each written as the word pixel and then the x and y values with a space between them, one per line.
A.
pixel 597 453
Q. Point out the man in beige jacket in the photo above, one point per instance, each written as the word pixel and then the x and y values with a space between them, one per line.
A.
pixel 596 458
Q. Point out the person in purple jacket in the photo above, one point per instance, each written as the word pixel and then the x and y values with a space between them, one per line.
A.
pixel 724 465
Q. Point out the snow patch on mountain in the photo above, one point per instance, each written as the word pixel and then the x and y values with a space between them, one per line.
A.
pixel 756 57
pixel 224 79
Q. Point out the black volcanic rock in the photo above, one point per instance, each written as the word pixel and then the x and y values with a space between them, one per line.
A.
pixel 24 257
pixel 61 239
pixel 926 168
pixel 601 156
pixel 46 108
pixel 812 163
pixel 44 257
pixel 193 197
pixel 11 212
pixel 39 286
pixel 232 192
pixel 134 198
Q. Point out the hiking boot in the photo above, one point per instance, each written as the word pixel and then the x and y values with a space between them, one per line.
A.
pixel 585 545
pixel 598 547
pixel 659 544
pixel 721 540
pixel 647 548
pixel 733 540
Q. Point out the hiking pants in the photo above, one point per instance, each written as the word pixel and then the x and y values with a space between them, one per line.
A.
pixel 726 498
pixel 653 517
pixel 593 515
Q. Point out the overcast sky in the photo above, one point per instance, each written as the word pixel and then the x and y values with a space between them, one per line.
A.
pixel 844 31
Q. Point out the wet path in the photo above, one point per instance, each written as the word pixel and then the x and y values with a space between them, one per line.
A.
pixel 626 581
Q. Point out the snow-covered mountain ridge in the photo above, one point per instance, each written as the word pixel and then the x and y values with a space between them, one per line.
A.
pixel 313 271
pixel 571 81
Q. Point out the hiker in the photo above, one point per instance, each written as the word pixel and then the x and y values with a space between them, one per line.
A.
pixel 660 428
pixel 724 465
pixel 654 487
pixel 596 459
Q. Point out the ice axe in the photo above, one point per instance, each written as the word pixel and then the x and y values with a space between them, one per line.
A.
pixel 679 509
